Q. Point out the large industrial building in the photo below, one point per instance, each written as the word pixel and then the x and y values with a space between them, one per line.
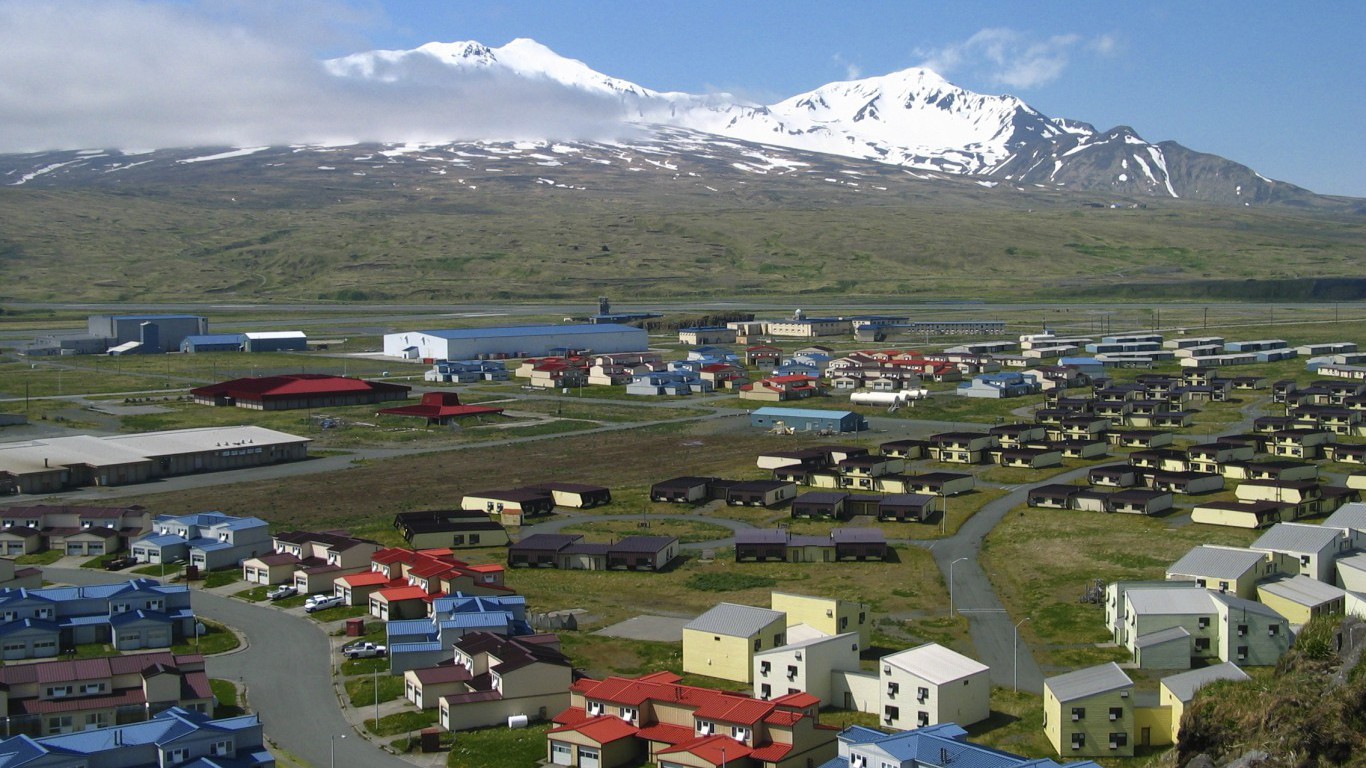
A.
pixel 56 464
pixel 298 390
pixel 146 334
pixel 514 341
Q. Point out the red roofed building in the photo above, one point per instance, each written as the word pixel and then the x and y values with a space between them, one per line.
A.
pixel 780 388
pixel 622 721
pixel 440 408
pixel 64 696
pixel 298 390
pixel 412 579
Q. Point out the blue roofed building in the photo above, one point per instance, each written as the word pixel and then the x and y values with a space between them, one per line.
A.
pixel 679 382
pixel 513 341
pixel 175 737
pixel 418 643
pixel 808 420
pixel 206 540
pixel 146 334
pixel 136 614
pixel 1000 385
pixel 935 746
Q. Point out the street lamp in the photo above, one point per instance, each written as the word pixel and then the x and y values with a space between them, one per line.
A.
pixel 1017 653
pixel 376 699
pixel 952 611
pixel 332 746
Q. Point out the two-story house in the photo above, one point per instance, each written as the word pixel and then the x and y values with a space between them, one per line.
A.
pixel 174 737
pixel 1308 549
pixel 929 685
pixel 1090 712
pixel 207 540
pixel 137 614
pixel 722 642
pixel 492 677
pixel 324 556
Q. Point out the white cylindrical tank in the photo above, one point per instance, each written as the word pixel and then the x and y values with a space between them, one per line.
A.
pixel 877 398
pixel 517 721
pixel 914 394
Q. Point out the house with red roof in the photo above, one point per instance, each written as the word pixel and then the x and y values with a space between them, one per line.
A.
pixel 440 409
pixel 413 579
pixel 781 388
pixel 73 695
pixel 298 390
pixel 623 721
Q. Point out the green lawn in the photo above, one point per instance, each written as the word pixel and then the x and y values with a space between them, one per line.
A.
pixel 360 691
pixel 46 557
pixel 221 578
pixel 225 691
pixel 499 747
pixel 402 722
pixel 254 595
pixel 216 638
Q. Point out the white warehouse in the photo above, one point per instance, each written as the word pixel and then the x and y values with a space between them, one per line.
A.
pixel 514 341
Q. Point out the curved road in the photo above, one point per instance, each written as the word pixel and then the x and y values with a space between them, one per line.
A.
pixel 287 673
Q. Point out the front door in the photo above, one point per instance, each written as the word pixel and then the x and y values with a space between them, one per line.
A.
pixel 1145 737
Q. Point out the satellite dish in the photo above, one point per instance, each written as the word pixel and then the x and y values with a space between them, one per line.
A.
pixel 200 629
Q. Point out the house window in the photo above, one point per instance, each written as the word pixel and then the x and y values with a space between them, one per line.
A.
pixel 765 691
pixel 1116 713
pixel 921 694
pixel 474 538
pixel 1078 713
pixel 1273 630
pixel 844 622
pixel 765 667
pixel 791 671
pixel 1202 643
pixel 1242 630
pixel 922 718
pixel 1078 740
pixel 177 755
pixel 778 639
pixel 59 724
pixel 758 643
pixel 1304 561
pixel 92 688
pixel 1203 623
pixel 458 539
pixel 1223 586
pixel 221 748
pixel 58 691
pixel 1242 653
pixel 862 617
pixel 739 733
pixel 890 714
pixel 892 689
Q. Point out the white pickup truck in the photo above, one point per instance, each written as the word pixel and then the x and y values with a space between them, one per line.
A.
pixel 322 602
pixel 365 650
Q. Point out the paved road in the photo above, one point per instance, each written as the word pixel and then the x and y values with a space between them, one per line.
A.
pixel 287 674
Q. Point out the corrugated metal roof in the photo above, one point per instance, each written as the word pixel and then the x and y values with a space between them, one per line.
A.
pixel 1162 636
pixel 935 663
pixel 1170 601
pixel 1184 685
pixel 1088 682
pixel 1298 538
pixel 804 413
pixel 1302 590
pixel 597 329
pixel 1351 515
pixel 734 620
pixel 1216 562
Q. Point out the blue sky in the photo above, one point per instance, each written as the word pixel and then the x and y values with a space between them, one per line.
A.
pixel 1276 86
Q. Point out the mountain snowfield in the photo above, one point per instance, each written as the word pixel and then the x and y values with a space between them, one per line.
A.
pixel 912 120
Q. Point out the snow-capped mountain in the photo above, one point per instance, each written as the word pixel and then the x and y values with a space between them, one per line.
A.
pixel 912 119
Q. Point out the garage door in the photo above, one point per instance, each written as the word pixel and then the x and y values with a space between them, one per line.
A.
pixel 588 757
pixel 561 753
pixel 130 641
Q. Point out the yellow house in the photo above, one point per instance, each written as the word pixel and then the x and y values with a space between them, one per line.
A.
pixel 1177 691
pixel 1301 598
pixel 722 642
pixel 828 615
pixel 1090 712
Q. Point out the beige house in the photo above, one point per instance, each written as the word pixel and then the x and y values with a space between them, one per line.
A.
pixel 828 615
pixel 1176 692
pixel 1226 569
pixel 1090 712
pixel 808 665
pixel 328 554
pixel 502 676
pixel 1308 549
pixel 722 642
pixel 1242 514
pixel 12 577
pixel 1301 598
pixel 929 685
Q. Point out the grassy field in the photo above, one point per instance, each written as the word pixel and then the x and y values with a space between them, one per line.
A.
pixel 1042 560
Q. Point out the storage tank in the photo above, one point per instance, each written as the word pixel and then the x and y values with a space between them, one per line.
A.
pixel 517 721
pixel 883 399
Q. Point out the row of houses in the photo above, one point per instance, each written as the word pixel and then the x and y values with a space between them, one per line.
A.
pixel 174 737
pixel 512 506
pixel 141 613
pixel 571 552
pixel 71 530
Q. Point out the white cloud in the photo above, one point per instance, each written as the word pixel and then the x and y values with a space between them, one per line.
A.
pixel 156 73
pixel 1012 58
pixel 852 71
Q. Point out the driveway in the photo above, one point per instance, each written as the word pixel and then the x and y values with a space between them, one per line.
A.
pixel 286 672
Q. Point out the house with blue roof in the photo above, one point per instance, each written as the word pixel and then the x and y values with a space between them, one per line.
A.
pixel 207 540
pixel 136 614
pixel 1000 385
pixel 671 382
pixel 175 737
pixel 808 420
pixel 935 746
pixel 213 342
pixel 418 643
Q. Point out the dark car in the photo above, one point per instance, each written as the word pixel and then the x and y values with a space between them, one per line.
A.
pixel 119 563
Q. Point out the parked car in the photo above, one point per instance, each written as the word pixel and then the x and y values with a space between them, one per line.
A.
pixel 321 602
pixel 365 650
pixel 282 591
pixel 119 563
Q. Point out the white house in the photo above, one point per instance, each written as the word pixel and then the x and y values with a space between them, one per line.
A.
pixel 929 685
